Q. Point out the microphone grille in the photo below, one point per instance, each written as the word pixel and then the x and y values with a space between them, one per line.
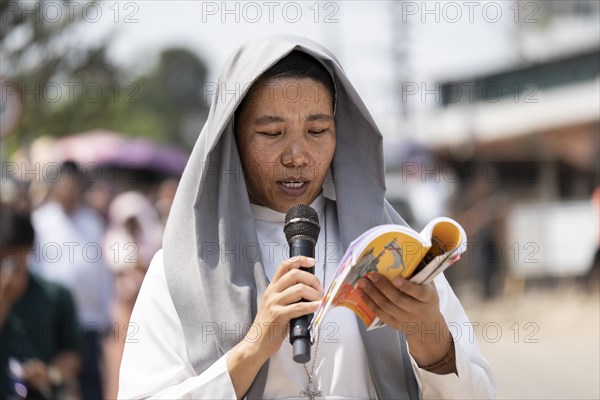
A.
pixel 301 219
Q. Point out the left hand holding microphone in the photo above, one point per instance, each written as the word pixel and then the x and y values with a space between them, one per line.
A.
pixel 281 302
pixel 278 305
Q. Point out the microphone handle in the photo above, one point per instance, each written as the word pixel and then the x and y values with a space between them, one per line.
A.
pixel 299 334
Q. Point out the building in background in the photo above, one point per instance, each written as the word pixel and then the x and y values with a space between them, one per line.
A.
pixel 523 144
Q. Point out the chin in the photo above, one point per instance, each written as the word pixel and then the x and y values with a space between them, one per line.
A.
pixel 305 201
pixel 285 206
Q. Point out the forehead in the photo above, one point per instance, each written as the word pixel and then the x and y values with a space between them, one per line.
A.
pixel 287 93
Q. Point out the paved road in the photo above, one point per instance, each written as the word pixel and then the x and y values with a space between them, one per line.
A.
pixel 543 343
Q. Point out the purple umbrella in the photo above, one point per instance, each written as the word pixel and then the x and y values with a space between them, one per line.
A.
pixel 110 149
pixel 145 154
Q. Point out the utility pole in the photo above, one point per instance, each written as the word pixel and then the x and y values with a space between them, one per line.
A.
pixel 400 32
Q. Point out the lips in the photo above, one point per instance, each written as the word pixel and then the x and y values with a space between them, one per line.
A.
pixel 293 186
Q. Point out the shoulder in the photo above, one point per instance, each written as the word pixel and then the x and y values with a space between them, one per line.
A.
pixel 90 215
pixel 155 281
pixel 156 269
pixel 52 290
pixel 45 212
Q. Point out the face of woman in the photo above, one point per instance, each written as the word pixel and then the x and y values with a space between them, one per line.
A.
pixel 286 139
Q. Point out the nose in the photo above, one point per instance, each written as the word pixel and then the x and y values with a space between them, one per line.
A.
pixel 296 152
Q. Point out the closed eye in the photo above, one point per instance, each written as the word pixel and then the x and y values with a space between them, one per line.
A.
pixel 274 133
pixel 317 132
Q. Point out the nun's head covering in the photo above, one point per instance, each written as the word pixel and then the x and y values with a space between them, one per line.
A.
pixel 211 255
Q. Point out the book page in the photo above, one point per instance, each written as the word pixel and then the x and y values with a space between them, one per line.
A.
pixel 449 241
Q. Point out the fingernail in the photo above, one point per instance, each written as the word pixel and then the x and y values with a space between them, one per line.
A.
pixel 374 277
pixel 398 282
pixel 362 283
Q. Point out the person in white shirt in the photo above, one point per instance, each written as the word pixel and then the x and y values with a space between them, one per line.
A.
pixel 68 251
pixel 286 127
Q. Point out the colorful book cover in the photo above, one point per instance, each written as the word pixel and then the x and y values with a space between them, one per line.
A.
pixel 391 250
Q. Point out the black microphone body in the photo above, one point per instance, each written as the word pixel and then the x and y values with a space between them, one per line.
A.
pixel 299 334
pixel 301 230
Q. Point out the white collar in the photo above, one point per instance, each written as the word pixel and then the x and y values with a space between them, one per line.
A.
pixel 266 214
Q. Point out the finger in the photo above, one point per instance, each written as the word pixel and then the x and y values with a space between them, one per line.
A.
pixel 26 373
pixel 386 287
pixel 292 263
pixel 422 293
pixel 29 373
pixel 33 365
pixel 386 317
pixel 298 292
pixel 295 276
pixel 299 309
pixel 381 300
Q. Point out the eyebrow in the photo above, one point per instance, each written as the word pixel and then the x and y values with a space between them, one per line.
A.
pixel 319 117
pixel 267 119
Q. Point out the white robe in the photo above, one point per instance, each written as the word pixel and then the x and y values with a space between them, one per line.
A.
pixel 156 364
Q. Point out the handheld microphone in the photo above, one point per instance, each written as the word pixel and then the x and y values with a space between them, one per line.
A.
pixel 301 232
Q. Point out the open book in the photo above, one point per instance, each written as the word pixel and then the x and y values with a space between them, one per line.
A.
pixel 391 250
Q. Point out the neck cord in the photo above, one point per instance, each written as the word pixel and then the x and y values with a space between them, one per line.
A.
pixel 311 386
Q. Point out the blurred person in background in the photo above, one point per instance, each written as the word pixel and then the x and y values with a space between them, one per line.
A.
pixel 69 251
pixel 40 345
pixel 98 196
pixel 165 197
pixel 133 237
pixel 482 212
pixel 592 278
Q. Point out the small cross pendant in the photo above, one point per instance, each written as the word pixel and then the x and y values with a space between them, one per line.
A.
pixel 311 391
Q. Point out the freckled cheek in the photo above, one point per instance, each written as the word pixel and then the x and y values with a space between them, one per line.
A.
pixel 259 167
pixel 323 156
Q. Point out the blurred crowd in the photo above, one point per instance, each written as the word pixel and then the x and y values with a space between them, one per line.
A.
pixel 72 263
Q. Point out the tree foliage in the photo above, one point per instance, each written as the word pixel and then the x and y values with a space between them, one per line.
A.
pixel 67 87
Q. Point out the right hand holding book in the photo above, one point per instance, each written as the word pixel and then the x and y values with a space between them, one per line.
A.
pixel 392 250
